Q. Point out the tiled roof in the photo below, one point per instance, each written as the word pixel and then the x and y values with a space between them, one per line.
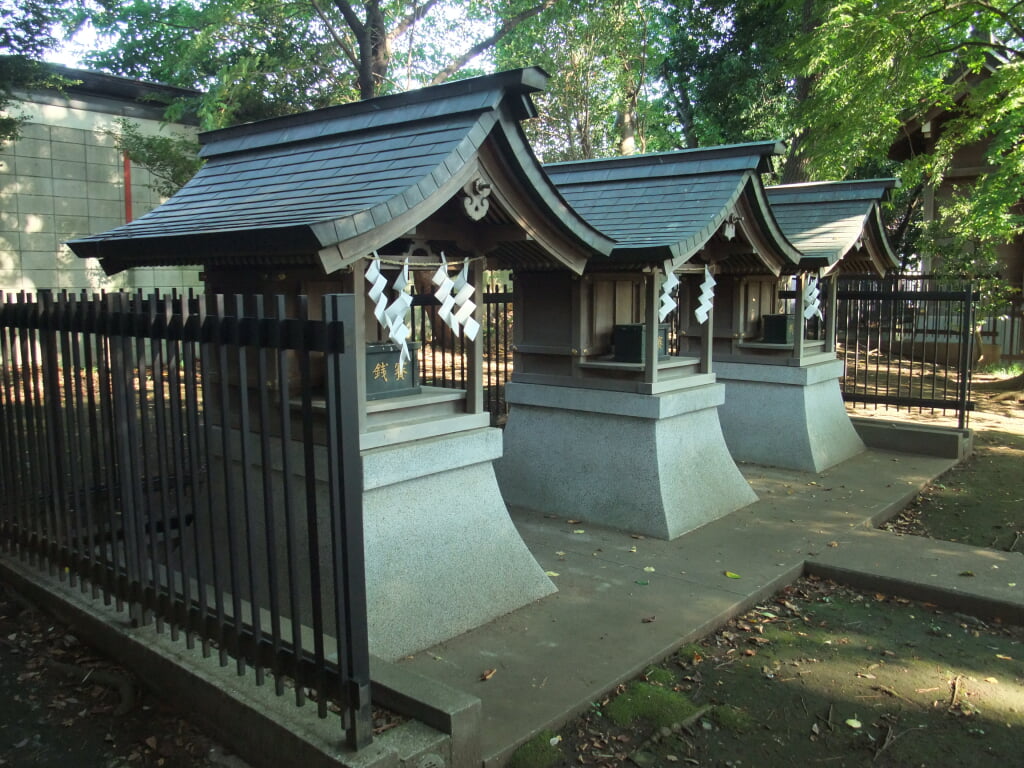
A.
pixel 831 221
pixel 669 205
pixel 293 186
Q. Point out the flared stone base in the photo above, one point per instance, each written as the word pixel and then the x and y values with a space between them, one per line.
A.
pixel 650 464
pixel 442 554
pixel 786 416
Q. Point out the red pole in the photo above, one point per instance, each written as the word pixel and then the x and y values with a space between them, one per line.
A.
pixel 127 187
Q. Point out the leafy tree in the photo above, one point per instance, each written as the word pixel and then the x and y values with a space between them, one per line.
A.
pixel 24 37
pixel 882 65
pixel 604 57
pixel 171 160
pixel 261 58
pixel 731 73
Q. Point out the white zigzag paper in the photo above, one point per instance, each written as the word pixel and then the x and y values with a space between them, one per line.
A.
pixel 706 300
pixel 812 299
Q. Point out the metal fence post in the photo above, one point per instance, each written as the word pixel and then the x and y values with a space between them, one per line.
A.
pixel 345 478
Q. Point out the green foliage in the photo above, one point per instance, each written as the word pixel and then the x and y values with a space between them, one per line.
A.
pixel 171 159
pixel 538 752
pixel 730 70
pixel 254 59
pixel 24 37
pixel 957 69
pixel 653 703
pixel 604 58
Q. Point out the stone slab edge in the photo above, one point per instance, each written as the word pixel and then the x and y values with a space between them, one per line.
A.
pixel 963 600
pixel 742 604
pixel 440 706
pixel 266 730
pixel 922 439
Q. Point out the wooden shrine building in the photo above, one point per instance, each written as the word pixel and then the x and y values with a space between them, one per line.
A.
pixel 783 406
pixel 355 199
pixel 613 413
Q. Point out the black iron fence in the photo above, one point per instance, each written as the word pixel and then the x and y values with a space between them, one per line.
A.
pixel 195 461
pixel 907 342
pixel 442 353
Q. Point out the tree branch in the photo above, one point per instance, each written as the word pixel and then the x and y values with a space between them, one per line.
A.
pixel 417 14
pixel 507 26
pixel 350 16
pixel 341 42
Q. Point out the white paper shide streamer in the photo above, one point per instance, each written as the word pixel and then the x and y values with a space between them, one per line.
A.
pixel 812 299
pixel 706 300
pixel 392 317
pixel 456 306
pixel 667 302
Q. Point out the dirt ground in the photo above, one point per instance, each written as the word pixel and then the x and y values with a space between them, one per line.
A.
pixel 819 675
pixel 64 706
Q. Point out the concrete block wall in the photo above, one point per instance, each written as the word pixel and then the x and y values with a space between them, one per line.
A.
pixel 64 178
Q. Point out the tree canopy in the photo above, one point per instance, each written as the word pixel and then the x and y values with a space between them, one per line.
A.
pixel 25 36
pixel 844 81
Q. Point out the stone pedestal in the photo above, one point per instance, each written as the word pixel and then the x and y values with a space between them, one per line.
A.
pixel 650 464
pixel 786 416
pixel 442 554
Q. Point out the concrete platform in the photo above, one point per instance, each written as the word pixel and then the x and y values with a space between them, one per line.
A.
pixel 611 617
pixel 557 655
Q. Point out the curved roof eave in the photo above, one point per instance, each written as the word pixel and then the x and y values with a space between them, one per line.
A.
pixel 776 241
pixel 344 241
pixel 870 229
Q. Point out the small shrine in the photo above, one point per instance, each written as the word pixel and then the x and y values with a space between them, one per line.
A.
pixel 614 402
pixel 364 198
pixel 776 350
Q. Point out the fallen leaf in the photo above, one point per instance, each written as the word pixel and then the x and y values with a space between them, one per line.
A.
pixel 991 680
pixel 643 582
pixel 866 675
pixel 552 573
pixel 648 619
pixel 554 741
pixel 633 548
pixel 732 575
pixel 151 743
pixel 649 569
pixel 966 573
pixel 579 530
pixel 853 722
pixel 560 554
pixel 833 544
pixel 488 674
pixel 573 522
pixel 1003 657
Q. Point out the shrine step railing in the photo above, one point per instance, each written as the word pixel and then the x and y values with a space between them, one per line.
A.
pixel 908 343
pixel 194 461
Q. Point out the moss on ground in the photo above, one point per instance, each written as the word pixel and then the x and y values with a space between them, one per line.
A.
pixel 538 752
pixel 659 676
pixel 644 701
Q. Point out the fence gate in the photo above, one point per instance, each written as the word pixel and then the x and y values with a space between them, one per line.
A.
pixel 908 342
pixel 195 461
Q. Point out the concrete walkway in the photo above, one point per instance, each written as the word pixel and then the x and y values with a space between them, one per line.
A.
pixel 625 602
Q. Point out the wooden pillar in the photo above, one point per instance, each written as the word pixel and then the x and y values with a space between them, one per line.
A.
pixel 359 336
pixel 475 368
pixel 707 336
pixel 798 318
pixel 653 285
pixel 830 312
